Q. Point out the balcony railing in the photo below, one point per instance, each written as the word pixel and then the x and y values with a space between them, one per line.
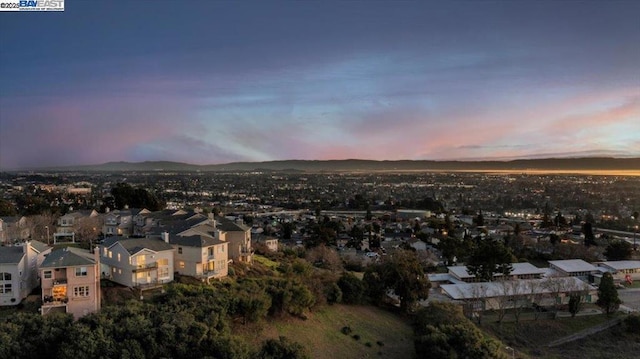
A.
pixel 145 267
pixel 50 301
pixel 60 281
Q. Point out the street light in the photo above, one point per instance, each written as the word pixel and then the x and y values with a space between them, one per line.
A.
pixel 513 352
pixel 47 227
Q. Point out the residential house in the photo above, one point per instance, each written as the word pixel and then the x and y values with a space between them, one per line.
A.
pixel 122 222
pixel 70 280
pixel 200 255
pixel 238 236
pixel 137 262
pixel 19 270
pixel 74 224
pixel 13 229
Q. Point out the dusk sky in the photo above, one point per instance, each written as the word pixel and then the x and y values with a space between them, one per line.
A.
pixel 209 82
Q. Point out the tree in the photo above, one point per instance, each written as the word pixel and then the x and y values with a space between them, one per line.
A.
pixel 608 295
pixel 589 237
pixel 479 219
pixel 575 301
pixel 402 273
pixel 618 250
pixel 489 258
pixel 352 288
pixel 441 331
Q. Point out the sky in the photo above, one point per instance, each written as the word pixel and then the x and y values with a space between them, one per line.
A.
pixel 209 82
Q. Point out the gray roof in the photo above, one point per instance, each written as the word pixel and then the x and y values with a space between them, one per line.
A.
pixel 135 245
pixel 509 287
pixel 194 241
pixel 227 225
pixel 39 246
pixel 11 255
pixel 573 265
pixel 622 265
pixel 68 257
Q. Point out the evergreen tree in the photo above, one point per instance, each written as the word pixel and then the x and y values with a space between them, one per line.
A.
pixel 608 295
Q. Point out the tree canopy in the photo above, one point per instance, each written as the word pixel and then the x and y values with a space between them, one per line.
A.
pixel 608 295
pixel 618 250
pixel 490 257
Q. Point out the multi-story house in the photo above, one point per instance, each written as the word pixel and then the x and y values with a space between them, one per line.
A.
pixel 200 255
pixel 238 236
pixel 13 228
pixel 19 270
pixel 122 223
pixel 70 279
pixel 137 262
pixel 71 223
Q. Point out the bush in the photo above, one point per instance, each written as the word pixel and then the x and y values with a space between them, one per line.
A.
pixel 346 330
pixel 632 324
pixel 356 337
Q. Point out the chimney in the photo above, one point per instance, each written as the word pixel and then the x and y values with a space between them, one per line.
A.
pixel 165 236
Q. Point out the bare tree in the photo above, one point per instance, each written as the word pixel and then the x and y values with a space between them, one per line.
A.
pixel 41 226
pixel 86 229
pixel 474 303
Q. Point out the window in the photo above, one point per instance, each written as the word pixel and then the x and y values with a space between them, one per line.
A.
pixel 163 262
pixel 163 272
pixel 118 257
pixel 104 254
pixel 179 250
pixel 82 291
pixel 5 276
pixel 181 264
pixel 210 251
pixel 110 254
pixel 81 271
pixel 5 288
pixel 47 274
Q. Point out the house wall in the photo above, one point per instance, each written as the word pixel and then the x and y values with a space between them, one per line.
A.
pixel 161 264
pixel 82 292
pixel 117 260
pixel 15 295
pixel 239 244
pixel 195 261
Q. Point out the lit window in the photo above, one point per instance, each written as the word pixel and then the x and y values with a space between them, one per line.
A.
pixel 82 291
pixel 181 264
pixel 118 257
pixel 81 271
pixel 110 254
pixel 163 262
pixel 47 274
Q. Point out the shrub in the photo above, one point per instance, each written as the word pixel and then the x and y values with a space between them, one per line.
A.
pixel 356 337
pixel 346 330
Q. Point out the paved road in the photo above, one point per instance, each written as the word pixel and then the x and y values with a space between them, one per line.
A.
pixel 630 299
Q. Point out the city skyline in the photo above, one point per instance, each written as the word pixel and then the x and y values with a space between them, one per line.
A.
pixel 220 82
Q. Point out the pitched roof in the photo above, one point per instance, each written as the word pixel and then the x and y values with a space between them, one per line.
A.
pixel 39 246
pixel 135 245
pixel 194 241
pixel 68 257
pixel 11 255
pixel 227 225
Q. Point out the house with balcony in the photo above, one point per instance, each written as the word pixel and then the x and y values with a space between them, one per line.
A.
pixel 137 262
pixel 70 280
pixel 68 224
pixel 122 222
pixel 19 270
pixel 200 255
pixel 238 236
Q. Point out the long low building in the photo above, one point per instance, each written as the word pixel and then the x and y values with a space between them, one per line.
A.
pixel 526 292
pixel 622 269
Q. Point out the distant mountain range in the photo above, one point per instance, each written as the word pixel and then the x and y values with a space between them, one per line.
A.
pixel 550 164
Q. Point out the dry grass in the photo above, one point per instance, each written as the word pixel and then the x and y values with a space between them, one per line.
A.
pixel 381 334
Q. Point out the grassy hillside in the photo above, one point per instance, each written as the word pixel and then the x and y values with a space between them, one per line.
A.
pixel 381 334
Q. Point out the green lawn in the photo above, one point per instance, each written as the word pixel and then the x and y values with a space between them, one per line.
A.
pixel 381 334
